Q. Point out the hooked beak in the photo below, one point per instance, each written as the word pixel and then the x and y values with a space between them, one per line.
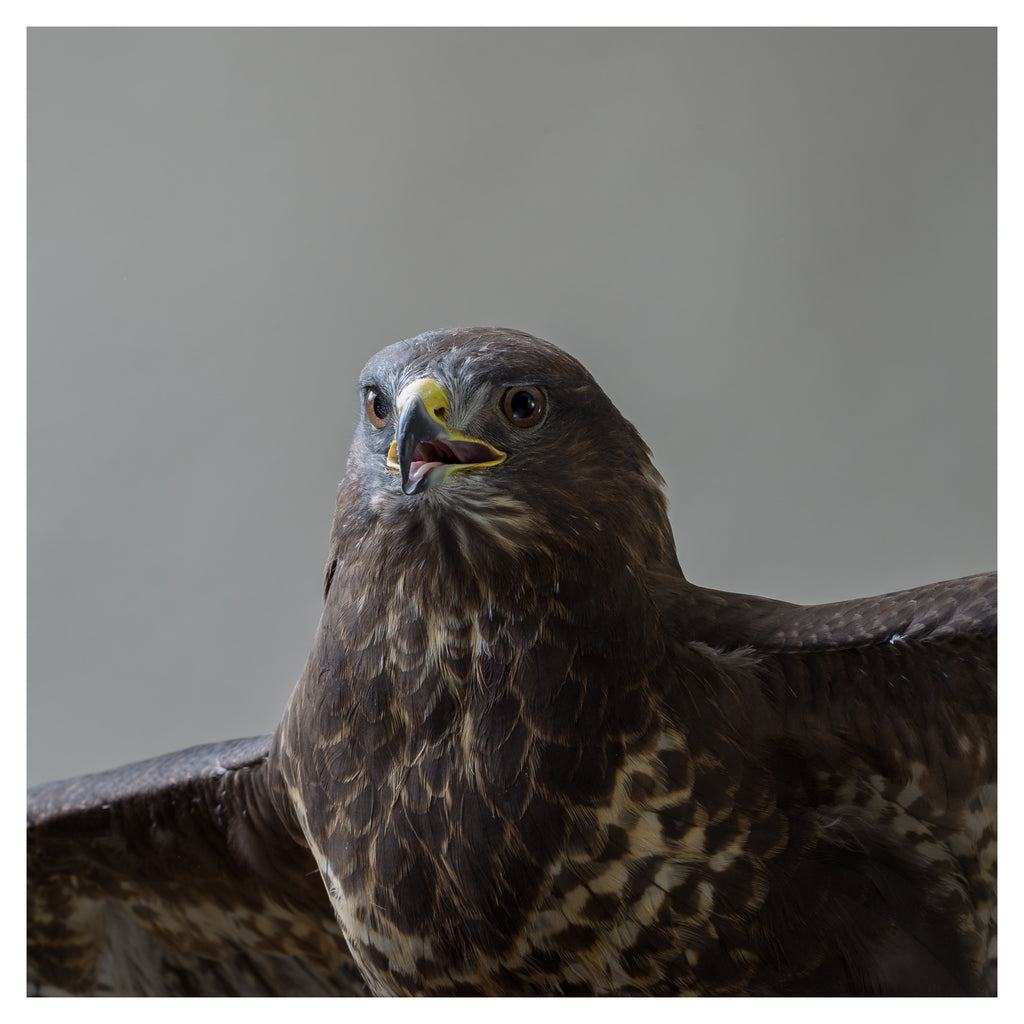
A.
pixel 425 451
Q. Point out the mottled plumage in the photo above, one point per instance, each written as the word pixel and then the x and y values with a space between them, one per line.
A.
pixel 529 757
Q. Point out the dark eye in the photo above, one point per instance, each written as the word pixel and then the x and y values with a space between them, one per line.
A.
pixel 523 406
pixel 378 408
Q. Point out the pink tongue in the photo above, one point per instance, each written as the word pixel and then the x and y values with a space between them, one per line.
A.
pixel 417 470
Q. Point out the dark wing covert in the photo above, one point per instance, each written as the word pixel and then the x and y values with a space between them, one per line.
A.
pixel 176 876
pixel 876 721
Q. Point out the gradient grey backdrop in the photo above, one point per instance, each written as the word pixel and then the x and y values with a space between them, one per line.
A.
pixel 774 248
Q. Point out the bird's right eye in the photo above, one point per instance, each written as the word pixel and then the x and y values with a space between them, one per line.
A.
pixel 378 408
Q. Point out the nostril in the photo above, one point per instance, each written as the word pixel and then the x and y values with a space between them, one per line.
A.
pixel 441 413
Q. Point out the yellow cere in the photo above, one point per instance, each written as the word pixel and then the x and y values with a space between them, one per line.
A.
pixel 433 396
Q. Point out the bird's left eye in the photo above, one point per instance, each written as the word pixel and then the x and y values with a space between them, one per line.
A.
pixel 378 408
pixel 523 406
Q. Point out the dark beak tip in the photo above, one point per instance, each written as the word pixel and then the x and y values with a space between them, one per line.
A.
pixel 415 424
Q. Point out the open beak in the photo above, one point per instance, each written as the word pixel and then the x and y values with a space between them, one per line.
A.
pixel 425 451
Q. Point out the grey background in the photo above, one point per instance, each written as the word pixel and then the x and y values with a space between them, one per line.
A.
pixel 774 248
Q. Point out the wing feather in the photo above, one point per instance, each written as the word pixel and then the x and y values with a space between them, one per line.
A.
pixel 950 610
pixel 876 719
pixel 177 876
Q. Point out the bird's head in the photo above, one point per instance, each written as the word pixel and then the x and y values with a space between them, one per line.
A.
pixel 500 441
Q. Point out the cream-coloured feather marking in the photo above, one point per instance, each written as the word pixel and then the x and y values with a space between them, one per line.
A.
pixel 527 756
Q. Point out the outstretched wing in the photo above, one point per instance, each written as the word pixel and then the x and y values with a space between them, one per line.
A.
pixel 176 876
pixel 911 674
pixel 876 720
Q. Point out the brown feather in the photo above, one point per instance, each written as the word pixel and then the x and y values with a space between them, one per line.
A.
pixel 529 757
pixel 176 876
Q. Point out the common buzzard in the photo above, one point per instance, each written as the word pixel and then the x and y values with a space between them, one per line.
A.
pixel 527 756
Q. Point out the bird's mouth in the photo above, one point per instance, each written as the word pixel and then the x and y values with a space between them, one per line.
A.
pixel 425 451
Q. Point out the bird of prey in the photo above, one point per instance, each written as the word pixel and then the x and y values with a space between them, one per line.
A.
pixel 527 756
